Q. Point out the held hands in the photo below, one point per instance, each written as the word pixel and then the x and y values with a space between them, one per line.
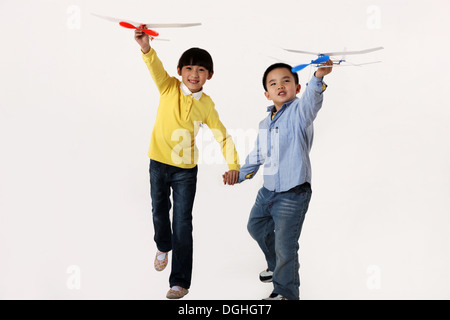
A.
pixel 142 39
pixel 231 177
pixel 323 71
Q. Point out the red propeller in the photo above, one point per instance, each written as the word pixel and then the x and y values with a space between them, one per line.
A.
pixel 147 31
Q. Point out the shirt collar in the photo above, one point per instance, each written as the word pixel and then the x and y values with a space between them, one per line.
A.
pixel 287 104
pixel 187 92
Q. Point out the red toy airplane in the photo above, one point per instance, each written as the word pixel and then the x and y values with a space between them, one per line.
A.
pixel 137 25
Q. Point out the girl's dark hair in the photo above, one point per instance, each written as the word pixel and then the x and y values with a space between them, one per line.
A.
pixel 276 66
pixel 196 57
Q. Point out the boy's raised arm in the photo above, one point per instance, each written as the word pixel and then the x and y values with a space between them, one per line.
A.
pixel 312 97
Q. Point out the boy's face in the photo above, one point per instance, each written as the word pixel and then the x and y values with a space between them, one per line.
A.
pixel 194 77
pixel 281 87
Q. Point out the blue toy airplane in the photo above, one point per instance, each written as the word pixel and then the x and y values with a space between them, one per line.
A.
pixel 324 57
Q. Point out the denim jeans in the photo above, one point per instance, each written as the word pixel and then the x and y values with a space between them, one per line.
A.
pixel 175 236
pixel 275 223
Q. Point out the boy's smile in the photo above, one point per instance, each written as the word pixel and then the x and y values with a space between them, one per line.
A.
pixel 281 87
pixel 194 77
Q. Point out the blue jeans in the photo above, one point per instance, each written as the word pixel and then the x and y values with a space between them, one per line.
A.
pixel 275 223
pixel 178 235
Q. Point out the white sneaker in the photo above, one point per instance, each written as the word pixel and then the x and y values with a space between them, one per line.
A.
pixel 266 276
pixel 275 296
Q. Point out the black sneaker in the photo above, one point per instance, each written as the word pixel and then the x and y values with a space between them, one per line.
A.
pixel 266 276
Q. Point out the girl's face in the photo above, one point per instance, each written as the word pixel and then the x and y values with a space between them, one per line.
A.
pixel 194 77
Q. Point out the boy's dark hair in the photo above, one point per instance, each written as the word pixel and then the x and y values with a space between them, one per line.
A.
pixel 196 57
pixel 276 66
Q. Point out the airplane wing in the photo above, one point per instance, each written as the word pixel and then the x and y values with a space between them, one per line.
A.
pixel 171 25
pixel 362 64
pixel 336 53
pixel 298 51
pixel 149 25
pixel 353 52
pixel 347 64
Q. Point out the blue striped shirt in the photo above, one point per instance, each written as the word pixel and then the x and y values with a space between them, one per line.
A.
pixel 284 142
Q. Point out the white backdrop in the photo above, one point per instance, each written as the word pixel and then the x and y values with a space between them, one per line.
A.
pixel 77 107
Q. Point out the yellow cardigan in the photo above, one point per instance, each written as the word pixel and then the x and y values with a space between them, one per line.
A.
pixel 178 119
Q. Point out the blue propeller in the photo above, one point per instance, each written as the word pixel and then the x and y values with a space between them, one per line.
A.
pixel 321 59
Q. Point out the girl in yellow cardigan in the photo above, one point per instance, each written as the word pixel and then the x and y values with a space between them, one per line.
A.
pixel 183 107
